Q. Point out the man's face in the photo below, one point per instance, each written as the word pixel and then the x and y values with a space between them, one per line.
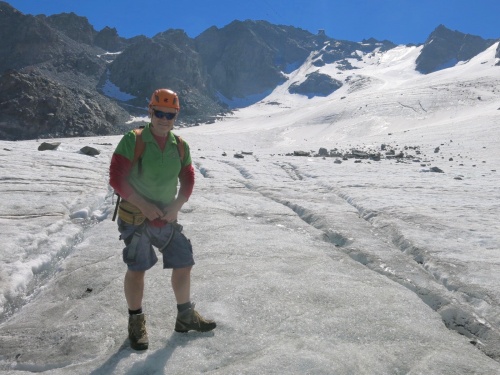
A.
pixel 163 118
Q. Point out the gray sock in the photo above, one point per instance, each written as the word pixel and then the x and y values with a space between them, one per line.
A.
pixel 183 307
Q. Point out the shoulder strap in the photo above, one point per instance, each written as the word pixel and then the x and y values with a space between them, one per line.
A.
pixel 180 146
pixel 139 149
pixel 139 145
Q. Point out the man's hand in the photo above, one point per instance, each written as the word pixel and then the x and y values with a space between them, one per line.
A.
pixel 170 215
pixel 149 210
pixel 172 210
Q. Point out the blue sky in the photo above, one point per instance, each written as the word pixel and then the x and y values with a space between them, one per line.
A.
pixel 400 21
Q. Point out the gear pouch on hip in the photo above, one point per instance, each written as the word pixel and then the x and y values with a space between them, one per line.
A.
pixel 131 250
pixel 130 214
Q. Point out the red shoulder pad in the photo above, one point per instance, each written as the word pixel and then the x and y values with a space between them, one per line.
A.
pixel 139 145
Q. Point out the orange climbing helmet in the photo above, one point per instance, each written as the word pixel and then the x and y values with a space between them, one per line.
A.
pixel 165 98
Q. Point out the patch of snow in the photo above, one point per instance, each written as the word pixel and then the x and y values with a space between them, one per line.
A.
pixel 242 102
pixel 113 91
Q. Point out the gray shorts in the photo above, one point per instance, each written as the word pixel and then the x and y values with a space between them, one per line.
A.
pixel 139 254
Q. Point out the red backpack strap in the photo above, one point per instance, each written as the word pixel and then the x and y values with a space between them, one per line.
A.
pixel 180 147
pixel 139 149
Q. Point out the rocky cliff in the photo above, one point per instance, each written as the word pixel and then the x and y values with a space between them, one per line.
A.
pixel 32 105
pixel 169 59
pixel 48 79
pixel 246 58
pixel 445 48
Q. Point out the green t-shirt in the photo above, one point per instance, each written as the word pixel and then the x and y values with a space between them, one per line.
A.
pixel 160 169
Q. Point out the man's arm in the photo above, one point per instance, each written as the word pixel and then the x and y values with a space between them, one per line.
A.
pixel 186 179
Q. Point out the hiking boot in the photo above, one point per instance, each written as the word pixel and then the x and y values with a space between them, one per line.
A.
pixel 137 332
pixel 191 320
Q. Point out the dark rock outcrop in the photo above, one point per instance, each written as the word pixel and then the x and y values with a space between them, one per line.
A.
pixel 109 40
pixel 26 40
pixel 90 151
pixel 316 84
pixel 445 48
pixel 30 42
pixel 339 51
pixel 76 27
pixel 436 170
pixel 247 58
pixel 170 58
pixel 31 106
pixel 80 30
pixel 44 146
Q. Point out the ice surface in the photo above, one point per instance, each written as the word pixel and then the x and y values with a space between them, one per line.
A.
pixel 308 266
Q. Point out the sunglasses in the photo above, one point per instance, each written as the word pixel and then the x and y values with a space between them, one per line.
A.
pixel 167 115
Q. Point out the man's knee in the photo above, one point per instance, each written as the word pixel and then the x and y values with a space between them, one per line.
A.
pixel 184 270
pixel 135 275
pixel 181 273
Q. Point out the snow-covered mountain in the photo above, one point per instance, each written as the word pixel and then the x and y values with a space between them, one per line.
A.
pixel 379 257
pixel 77 81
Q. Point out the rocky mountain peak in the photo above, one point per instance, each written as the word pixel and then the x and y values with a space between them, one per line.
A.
pixel 76 27
pixel 248 57
pixel 26 40
pixel 109 40
pixel 445 48
pixel 169 59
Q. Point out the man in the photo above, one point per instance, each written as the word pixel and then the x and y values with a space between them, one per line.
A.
pixel 144 171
